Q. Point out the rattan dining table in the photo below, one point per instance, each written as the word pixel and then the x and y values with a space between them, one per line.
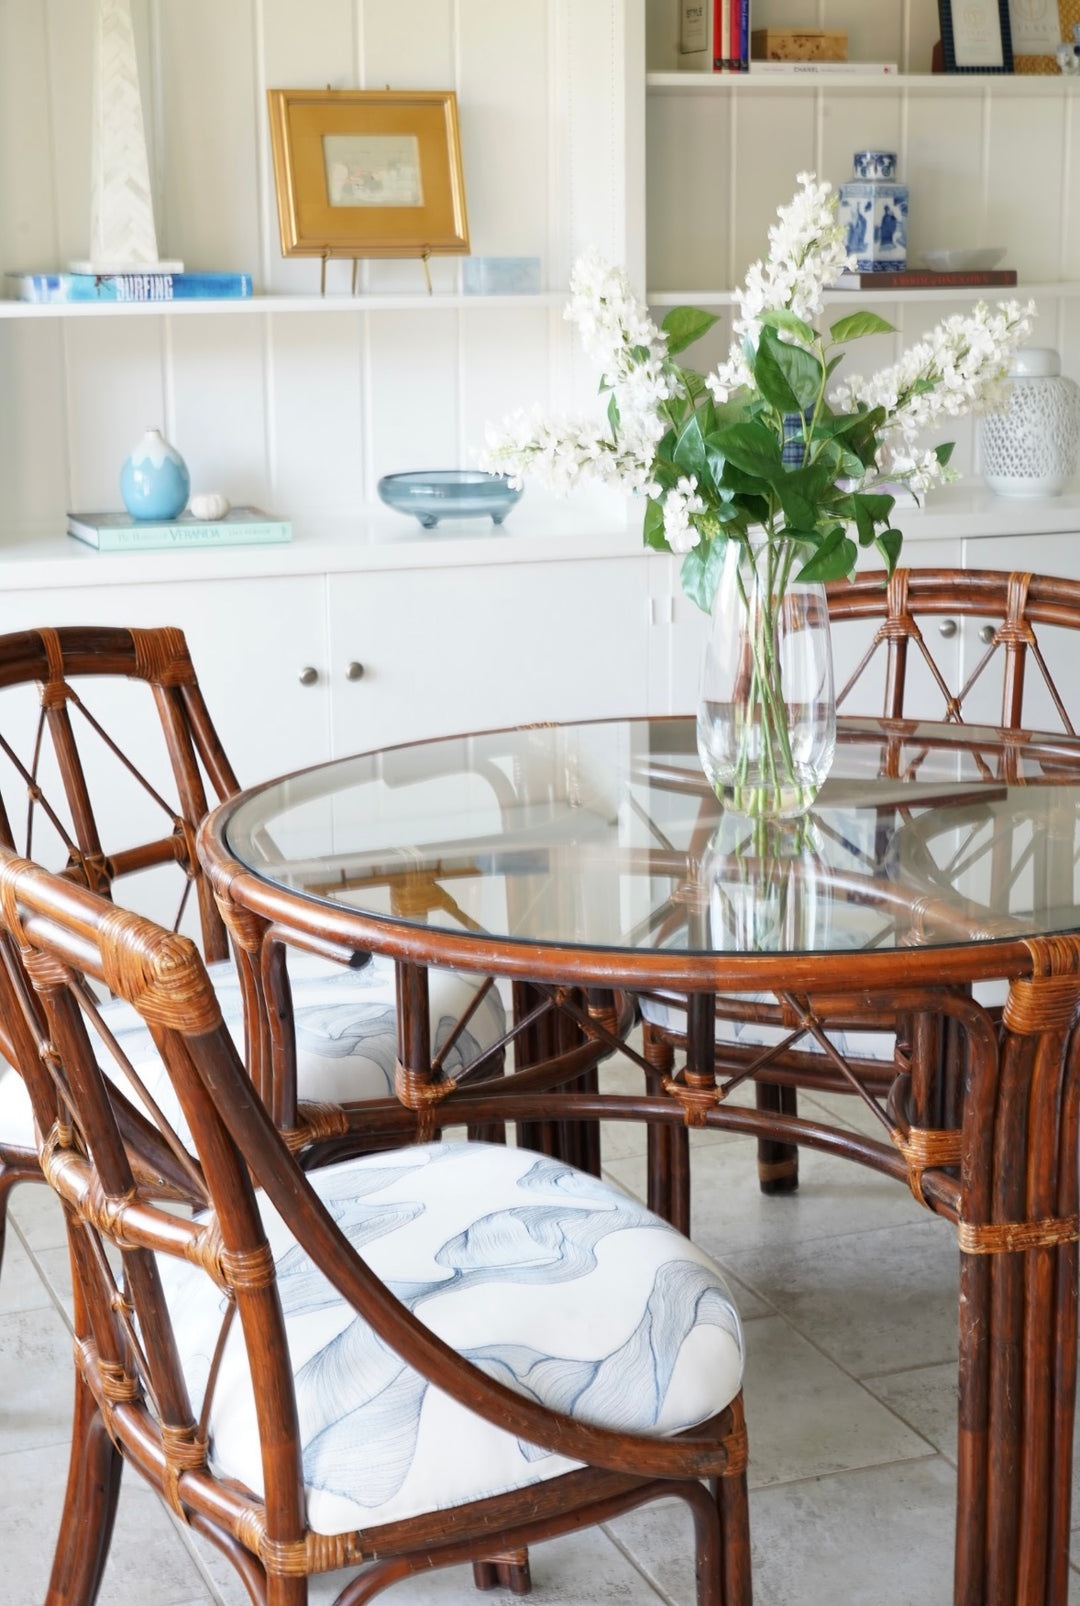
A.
pixel 932 893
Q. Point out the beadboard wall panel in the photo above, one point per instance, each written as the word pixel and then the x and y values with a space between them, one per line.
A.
pixel 301 413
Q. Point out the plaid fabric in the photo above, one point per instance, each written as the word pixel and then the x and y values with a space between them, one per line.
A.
pixel 792 453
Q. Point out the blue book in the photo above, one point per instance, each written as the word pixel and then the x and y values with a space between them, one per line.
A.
pixel 67 287
pixel 119 532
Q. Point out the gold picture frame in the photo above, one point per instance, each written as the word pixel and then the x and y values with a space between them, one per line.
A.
pixel 368 173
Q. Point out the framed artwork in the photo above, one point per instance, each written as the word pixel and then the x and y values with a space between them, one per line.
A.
pixel 368 173
pixel 975 36
pixel 1038 27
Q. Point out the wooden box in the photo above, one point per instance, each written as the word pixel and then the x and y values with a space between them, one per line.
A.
pixel 798 44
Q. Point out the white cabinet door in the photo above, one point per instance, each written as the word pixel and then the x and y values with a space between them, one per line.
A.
pixel 450 650
pixel 250 642
pixel 1057 554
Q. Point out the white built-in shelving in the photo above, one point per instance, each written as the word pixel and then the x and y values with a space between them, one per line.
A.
pixel 872 298
pixel 945 85
pixel 401 301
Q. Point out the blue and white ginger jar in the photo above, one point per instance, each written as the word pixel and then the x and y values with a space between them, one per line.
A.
pixel 154 481
pixel 874 210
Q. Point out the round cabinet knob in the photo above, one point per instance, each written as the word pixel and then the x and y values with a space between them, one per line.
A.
pixel 947 628
pixel 987 634
pixel 309 676
pixel 354 671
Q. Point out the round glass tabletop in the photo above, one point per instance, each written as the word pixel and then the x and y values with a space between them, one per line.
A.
pixel 607 836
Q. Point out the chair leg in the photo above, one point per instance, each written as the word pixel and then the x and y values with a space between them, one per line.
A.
pixel 86 1524
pixel 733 1506
pixel 778 1163
pixel 668 1147
pixel 509 1571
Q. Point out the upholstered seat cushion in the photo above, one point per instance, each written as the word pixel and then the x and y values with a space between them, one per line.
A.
pixel 558 1285
pixel 345 1035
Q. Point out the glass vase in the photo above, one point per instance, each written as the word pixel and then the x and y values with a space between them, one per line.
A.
pixel 767 711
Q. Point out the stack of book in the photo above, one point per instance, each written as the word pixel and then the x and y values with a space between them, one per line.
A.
pixel 64 287
pixel 119 532
pixel 927 279
pixel 731 35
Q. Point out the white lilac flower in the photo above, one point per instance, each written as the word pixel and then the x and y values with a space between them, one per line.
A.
pixel 565 453
pixel 679 505
pixel 960 367
pixel 807 252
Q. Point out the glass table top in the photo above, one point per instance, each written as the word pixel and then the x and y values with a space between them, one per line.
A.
pixel 608 836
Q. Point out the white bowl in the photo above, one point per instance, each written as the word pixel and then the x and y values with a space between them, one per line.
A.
pixel 964 260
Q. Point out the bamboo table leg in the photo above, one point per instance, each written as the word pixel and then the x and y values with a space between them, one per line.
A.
pixel 1018 1295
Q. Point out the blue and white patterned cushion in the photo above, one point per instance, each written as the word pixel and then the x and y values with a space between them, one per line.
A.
pixel 346 1024
pixel 560 1286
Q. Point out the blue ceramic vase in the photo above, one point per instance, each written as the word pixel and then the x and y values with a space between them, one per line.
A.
pixel 874 211
pixel 154 481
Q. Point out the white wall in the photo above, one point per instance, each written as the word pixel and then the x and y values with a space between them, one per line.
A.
pixel 299 413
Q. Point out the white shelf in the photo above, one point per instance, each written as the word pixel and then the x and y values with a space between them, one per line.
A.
pixel 961 292
pixel 1012 84
pixel 403 301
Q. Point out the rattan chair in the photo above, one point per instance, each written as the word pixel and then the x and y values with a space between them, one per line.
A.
pixel 66 775
pixel 1019 650
pixel 403 1361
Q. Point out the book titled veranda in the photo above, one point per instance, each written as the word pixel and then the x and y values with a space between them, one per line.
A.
pixel 119 532
pixel 70 287
pixel 925 279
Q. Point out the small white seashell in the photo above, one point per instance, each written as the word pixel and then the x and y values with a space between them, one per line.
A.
pixel 209 505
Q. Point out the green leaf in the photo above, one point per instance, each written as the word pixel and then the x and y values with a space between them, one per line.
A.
pixel 877 504
pixel 613 415
pixel 771 380
pixel 833 364
pixel 652 533
pixel 888 544
pixel 684 325
pixel 700 574
pixel 858 325
pixel 835 558
pixel 801 369
pixel 751 447
pixel 690 454
pixel 799 511
pixel 944 452
pixel 782 319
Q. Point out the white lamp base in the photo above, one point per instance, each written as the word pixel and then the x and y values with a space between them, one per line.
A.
pixel 108 269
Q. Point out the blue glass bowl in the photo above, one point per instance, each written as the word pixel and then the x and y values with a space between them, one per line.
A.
pixel 450 493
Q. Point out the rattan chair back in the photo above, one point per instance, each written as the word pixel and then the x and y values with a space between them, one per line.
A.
pixel 119 1187
pixel 1016 658
pixel 64 771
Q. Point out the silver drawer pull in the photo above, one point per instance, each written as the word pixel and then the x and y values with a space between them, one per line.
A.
pixel 947 627
pixel 987 634
pixel 309 676
pixel 354 671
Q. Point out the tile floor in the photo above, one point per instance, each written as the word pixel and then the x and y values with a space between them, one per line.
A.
pixel 848 1293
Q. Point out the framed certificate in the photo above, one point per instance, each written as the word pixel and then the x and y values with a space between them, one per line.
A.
pixel 975 35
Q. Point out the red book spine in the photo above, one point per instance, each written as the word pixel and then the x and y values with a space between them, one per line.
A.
pixel 916 279
pixel 721 35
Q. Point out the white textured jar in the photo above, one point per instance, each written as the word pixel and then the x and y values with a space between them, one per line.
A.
pixel 1030 449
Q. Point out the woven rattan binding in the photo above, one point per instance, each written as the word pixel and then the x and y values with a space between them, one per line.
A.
pixel 696 1101
pixel 924 1148
pixel 1009 1237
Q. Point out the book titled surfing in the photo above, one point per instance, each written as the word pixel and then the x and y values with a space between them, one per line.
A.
pixel 731 35
pixel 58 288
pixel 925 279
pixel 119 532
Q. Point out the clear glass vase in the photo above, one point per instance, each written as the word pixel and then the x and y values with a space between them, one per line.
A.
pixel 767 711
